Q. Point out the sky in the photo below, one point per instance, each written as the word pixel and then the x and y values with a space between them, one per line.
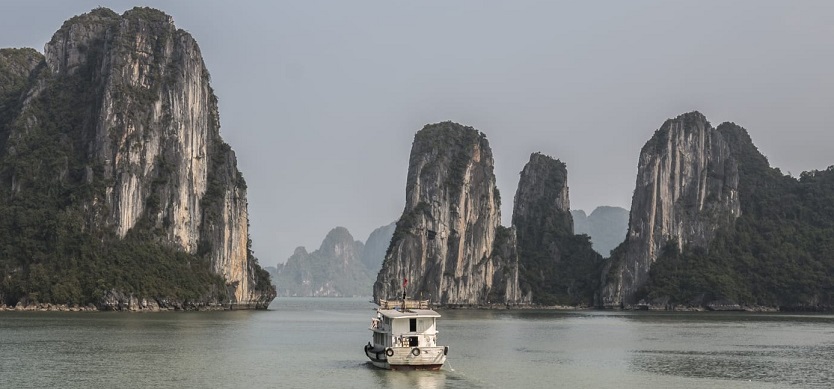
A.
pixel 321 99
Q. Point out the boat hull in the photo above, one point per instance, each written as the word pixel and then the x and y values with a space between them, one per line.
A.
pixel 407 358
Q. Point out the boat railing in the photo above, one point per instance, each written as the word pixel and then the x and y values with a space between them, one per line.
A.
pixel 407 304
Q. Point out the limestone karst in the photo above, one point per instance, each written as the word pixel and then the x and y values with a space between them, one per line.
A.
pixel 444 241
pixel 115 130
pixel 687 188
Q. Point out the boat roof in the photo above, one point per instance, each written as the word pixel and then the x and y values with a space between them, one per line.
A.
pixel 410 313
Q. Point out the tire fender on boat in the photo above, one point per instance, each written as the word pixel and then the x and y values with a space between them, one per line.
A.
pixel 415 352
pixel 445 350
pixel 389 352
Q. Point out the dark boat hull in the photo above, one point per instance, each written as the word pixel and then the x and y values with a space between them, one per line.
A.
pixel 407 358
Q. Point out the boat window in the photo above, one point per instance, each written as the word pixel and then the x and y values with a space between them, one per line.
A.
pixel 412 341
pixel 412 325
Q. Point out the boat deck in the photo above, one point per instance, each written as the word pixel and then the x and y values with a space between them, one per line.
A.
pixel 407 304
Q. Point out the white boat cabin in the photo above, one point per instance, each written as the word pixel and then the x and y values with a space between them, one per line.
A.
pixel 411 328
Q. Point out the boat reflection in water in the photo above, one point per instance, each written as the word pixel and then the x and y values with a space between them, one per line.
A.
pixel 410 379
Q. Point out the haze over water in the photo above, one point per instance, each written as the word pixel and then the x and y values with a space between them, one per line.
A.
pixel 317 343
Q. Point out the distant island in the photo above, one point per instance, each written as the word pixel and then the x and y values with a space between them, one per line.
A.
pixel 341 267
pixel 607 226
pixel 117 191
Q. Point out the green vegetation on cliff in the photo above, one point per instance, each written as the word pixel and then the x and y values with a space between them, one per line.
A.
pixel 569 279
pixel 556 265
pixel 49 249
pixel 779 252
pixel 55 243
pixel 454 145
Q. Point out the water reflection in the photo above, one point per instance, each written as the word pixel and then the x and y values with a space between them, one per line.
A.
pixel 807 366
pixel 773 348
pixel 408 379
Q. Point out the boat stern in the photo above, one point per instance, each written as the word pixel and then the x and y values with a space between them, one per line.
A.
pixel 416 358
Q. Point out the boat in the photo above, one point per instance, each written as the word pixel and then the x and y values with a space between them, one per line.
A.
pixel 405 336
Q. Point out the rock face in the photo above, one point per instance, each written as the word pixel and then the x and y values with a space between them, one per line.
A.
pixel 555 265
pixel 605 225
pixel 542 203
pixel 444 241
pixel 504 266
pixel 147 130
pixel 687 188
pixel 155 111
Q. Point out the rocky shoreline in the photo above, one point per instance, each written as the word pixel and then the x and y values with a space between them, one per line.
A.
pixel 121 302
pixel 134 304
pixel 652 308
pixel 47 307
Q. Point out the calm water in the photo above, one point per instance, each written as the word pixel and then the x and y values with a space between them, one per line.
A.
pixel 317 343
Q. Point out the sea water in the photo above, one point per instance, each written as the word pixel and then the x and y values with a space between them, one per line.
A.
pixel 317 343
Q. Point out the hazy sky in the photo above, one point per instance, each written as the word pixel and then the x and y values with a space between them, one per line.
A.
pixel 321 99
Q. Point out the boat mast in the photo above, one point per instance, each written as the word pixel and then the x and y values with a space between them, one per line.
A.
pixel 405 282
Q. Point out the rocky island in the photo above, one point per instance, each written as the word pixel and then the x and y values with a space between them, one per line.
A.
pixel 449 244
pixel 714 226
pixel 711 226
pixel 116 189
pixel 340 267
pixel 443 243
pixel 117 192
pixel 687 189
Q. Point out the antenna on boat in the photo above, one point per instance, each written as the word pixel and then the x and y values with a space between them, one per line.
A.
pixel 405 282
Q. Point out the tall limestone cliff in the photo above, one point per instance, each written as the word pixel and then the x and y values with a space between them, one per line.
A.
pixel 687 189
pixel 542 202
pixel 557 267
pixel 444 241
pixel 778 253
pixel 506 272
pixel 133 143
